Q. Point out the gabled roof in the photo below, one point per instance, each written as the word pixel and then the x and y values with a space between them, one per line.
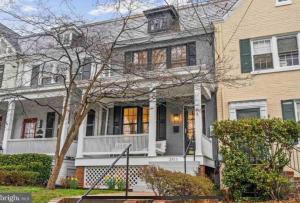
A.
pixel 191 17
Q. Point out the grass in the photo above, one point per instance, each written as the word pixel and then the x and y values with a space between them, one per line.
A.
pixel 42 195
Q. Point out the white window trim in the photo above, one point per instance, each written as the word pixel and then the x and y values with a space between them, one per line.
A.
pixel 234 106
pixel 8 46
pixel 276 63
pixel 287 2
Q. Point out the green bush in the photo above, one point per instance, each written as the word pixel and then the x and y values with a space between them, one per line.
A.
pixel 39 163
pixel 167 183
pixel 255 152
pixel 18 178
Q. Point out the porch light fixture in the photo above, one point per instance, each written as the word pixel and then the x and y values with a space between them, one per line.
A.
pixel 175 119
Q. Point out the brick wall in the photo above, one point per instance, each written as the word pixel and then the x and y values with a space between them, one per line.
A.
pixel 79 173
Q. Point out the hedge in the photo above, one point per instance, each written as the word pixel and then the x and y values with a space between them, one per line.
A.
pixel 39 163
pixel 18 178
pixel 168 183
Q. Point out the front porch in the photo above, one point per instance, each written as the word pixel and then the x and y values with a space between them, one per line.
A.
pixel 160 126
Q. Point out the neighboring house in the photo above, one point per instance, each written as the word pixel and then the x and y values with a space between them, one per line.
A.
pixel 260 42
pixel 159 126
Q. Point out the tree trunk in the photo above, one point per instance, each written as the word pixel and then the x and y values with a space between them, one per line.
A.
pixel 55 171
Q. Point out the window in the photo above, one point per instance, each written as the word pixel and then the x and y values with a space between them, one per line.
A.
pixel 84 72
pixel 29 128
pixel 4 47
pixel 262 54
pixel 248 113
pixel 283 2
pixel 159 58
pixel 130 120
pixel 90 123
pixel 35 76
pixel 46 80
pixel 140 59
pixel 178 56
pixel 145 120
pixel 288 51
pixel 291 110
pixel 50 124
pixel 1 74
pixel 66 38
pixel 158 24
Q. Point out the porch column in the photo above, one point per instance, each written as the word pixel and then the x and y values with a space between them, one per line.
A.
pixel 81 135
pixel 152 124
pixel 8 124
pixel 198 119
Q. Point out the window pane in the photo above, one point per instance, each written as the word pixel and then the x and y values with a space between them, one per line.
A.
pixel 287 44
pixel 248 113
pixel 262 47
pixel 298 110
pixel 145 119
pixel 264 61
pixel 90 123
pixel 288 51
pixel 46 81
pixel 178 56
pixel 140 59
pixel 130 120
pixel 159 58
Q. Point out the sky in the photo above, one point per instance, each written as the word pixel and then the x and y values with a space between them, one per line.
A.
pixel 91 10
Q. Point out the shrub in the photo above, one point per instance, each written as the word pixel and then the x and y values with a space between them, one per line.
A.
pixel 110 182
pixel 18 178
pixel 121 184
pixel 167 183
pixel 39 163
pixel 255 152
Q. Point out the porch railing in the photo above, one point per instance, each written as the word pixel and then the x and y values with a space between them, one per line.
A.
pixel 114 144
pixel 36 145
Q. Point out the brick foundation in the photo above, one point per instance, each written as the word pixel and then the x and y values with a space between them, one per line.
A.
pixel 201 171
pixel 79 173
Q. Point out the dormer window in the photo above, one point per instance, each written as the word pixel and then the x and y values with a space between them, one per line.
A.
pixel 67 38
pixel 162 19
pixel 158 24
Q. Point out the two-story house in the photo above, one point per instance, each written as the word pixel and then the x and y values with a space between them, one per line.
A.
pixel 159 125
pixel 258 42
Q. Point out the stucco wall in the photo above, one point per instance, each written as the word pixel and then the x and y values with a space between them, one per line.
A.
pixel 263 18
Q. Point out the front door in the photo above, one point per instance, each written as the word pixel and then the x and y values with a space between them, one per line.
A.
pixel 29 128
pixel 189 129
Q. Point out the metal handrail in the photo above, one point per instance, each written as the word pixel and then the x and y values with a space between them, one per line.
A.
pixel 126 150
pixel 185 154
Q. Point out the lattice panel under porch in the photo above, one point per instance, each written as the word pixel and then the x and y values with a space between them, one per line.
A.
pixel 91 175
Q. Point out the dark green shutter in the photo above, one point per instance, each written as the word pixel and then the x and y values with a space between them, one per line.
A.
pixel 288 110
pixel 161 130
pixel 246 59
pixel 149 58
pixel 169 58
pixel 139 120
pixel 128 61
pixel 191 54
pixel 118 123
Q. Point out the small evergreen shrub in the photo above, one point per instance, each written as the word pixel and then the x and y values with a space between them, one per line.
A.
pixel 167 183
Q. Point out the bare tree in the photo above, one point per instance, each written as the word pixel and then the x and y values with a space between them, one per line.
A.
pixel 49 41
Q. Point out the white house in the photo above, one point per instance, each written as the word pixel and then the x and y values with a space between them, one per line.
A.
pixel 158 125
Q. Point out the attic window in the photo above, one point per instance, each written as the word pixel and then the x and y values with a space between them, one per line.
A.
pixel 158 24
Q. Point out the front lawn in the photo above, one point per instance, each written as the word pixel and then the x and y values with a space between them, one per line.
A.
pixel 42 195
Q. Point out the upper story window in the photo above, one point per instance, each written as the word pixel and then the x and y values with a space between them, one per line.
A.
pixel 67 38
pixel 283 2
pixel 140 59
pixel 84 71
pixel 262 54
pixel 161 58
pixel 277 53
pixel 288 51
pixel 178 56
